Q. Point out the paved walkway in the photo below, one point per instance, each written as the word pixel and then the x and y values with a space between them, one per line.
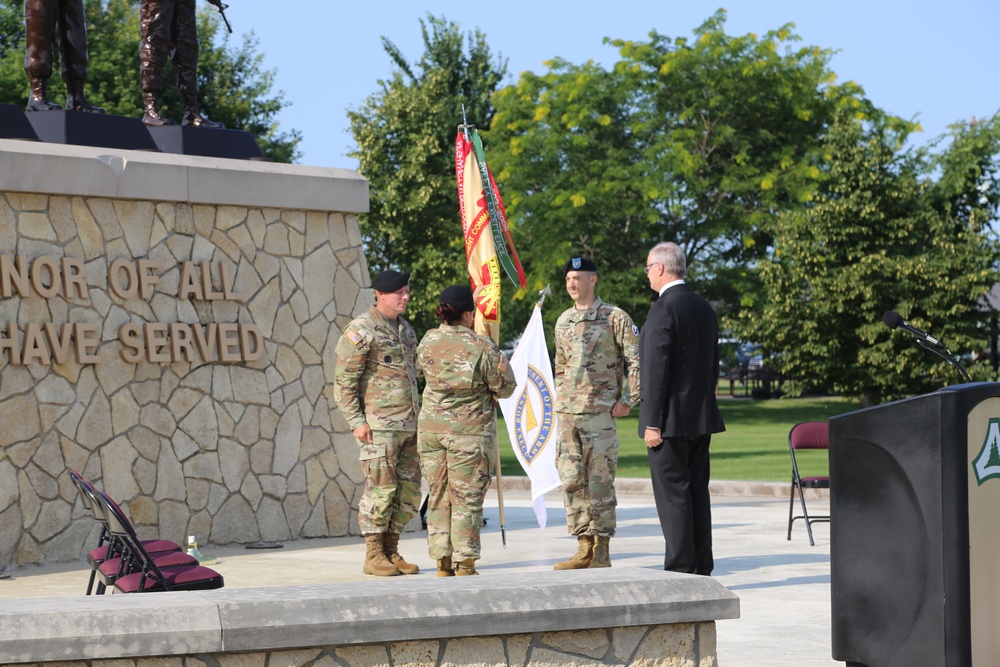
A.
pixel 784 587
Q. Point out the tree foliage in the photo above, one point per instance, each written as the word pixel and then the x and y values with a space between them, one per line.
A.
pixel 889 229
pixel 571 176
pixel 700 141
pixel 11 26
pixel 233 87
pixel 405 135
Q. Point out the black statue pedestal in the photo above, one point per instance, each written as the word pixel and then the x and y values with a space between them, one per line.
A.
pixel 91 129
pixel 189 140
pixel 14 124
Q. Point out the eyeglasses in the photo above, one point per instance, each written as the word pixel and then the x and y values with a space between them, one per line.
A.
pixel 646 268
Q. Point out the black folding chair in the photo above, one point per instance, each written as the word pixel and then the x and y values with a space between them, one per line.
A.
pixel 804 436
pixel 98 554
pixel 146 575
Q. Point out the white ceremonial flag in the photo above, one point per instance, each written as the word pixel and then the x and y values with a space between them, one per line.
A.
pixel 530 413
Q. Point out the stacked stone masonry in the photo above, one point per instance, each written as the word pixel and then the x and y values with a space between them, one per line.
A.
pixel 228 452
pixel 677 645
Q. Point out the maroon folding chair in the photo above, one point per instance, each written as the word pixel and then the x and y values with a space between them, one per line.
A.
pixel 114 569
pixel 146 575
pixel 108 546
pixel 806 436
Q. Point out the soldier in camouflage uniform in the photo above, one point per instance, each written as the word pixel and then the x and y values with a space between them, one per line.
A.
pixel 465 373
pixel 597 381
pixel 375 388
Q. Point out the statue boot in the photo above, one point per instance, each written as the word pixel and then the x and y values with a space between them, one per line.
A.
pixel 77 101
pixel 391 544
pixel 38 99
pixel 187 85
pixel 466 568
pixel 445 567
pixel 195 118
pixel 151 115
pixel 583 557
pixel 375 561
pixel 602 553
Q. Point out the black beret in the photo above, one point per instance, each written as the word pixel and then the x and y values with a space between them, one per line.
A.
pixel 459 296
pixel 390 281
pixel 579 264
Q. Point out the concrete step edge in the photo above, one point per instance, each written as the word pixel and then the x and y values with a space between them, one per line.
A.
pixel 637 486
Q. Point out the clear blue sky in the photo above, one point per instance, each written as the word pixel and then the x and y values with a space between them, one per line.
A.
pixel 930 60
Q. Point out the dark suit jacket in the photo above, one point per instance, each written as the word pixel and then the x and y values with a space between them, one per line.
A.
pixel 679 366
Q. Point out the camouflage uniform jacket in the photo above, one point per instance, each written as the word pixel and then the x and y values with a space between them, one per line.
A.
pixel 464 371
pixel 375 381
pixel 597 359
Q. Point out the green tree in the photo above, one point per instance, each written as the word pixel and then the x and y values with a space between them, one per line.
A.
pixel 967 187
pixel 572 175
pixel 233 88
pixel 11 26
pixel 13 84
pixel 700 141
pixel 881 235
pixel 405 135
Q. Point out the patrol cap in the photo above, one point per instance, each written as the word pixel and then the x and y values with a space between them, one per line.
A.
pixel 390 281
pixel 459 296
pixel 579 264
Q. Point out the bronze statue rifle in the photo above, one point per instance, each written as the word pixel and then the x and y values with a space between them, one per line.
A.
pixel 222 10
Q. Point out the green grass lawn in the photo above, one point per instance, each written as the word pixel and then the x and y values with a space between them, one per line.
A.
pixel 754 446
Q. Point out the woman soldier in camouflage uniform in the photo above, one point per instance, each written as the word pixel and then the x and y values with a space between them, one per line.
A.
pixel 465 373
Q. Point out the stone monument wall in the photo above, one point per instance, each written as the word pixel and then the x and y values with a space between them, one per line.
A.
pixel 672 645
pixel 167 327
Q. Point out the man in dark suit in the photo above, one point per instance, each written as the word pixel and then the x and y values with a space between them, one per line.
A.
pixel 679 370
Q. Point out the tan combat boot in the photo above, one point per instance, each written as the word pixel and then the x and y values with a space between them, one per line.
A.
pixel 375 561
pixel 466 568
pixel 582 558
pixel 445 568
pixel 391 543
pixel 602 555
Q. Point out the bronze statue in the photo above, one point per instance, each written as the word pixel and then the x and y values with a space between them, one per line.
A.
pixel 40 20
pixel 168 28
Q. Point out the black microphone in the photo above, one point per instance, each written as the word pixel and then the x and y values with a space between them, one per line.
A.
pixel 893 320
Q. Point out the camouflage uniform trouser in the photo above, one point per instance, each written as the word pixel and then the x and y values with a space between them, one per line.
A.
pixel 458 469
pixel 587 460
pixel 392 482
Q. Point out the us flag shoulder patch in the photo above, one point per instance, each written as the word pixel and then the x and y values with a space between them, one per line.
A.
pixel 353 336
pixel 503 362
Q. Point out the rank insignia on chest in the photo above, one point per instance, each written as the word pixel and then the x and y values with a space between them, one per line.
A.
pixel 388 359
pixel 353 337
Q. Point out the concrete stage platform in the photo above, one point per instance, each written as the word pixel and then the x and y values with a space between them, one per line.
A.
pixel 784 587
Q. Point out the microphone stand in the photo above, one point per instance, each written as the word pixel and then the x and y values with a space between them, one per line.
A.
pixel 947 357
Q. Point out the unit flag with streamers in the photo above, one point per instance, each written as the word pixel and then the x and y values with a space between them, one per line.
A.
pixel 489 246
